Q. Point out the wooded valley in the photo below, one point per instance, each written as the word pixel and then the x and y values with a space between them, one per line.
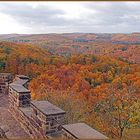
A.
pixel 94 77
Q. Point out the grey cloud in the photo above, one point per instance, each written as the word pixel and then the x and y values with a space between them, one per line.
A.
pixel 108 17
pixel 114 12
pixel 26 14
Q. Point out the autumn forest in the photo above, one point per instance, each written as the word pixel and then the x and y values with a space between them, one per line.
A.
pixel 94 77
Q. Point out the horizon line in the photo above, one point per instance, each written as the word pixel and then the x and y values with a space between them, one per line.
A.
pixel 70 33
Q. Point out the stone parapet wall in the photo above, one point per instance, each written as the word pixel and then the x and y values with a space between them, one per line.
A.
pixel 36 125
pixel 47 124
pixel 26 123
pixel 39 119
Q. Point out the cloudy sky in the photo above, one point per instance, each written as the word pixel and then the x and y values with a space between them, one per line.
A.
pixel 65 17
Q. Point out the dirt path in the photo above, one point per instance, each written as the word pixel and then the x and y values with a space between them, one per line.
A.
pixel 6 119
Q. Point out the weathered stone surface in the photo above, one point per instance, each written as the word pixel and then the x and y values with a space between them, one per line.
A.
pixel 82 130
pixel 6 119
pixel 47 108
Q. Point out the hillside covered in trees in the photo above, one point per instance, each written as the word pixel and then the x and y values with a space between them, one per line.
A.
pixel 94 77
pixel 124 46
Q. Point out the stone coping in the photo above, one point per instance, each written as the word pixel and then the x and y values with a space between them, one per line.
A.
pixel 19 88
pixel 83 131
pixel 19 84
pixel 47 108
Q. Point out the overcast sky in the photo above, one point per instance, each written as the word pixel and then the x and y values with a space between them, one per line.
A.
pixel 65 17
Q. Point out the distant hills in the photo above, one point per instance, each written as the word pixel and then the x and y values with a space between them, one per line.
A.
pixel 120 37
pixel 124 46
